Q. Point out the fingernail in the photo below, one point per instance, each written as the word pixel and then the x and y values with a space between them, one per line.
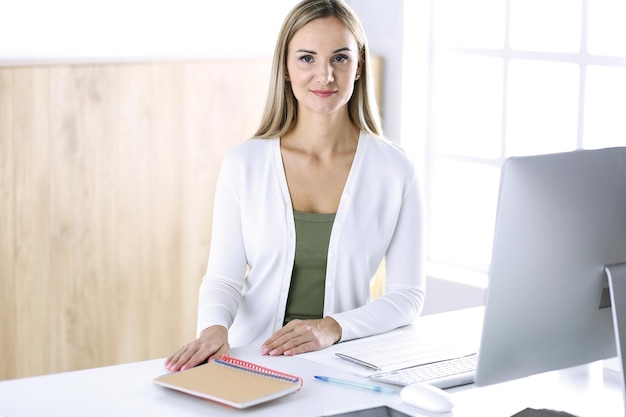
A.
pixel 287 353
pixel 264 350
pixel 273 352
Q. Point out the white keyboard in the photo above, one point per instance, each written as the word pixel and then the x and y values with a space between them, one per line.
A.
pixel 443 374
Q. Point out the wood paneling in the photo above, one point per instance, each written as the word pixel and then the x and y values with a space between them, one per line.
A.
pixel 107 175
pixel 106 190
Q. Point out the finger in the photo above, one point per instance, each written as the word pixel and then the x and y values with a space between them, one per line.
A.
pixel 173 359
pixel 181 358
pixel 194 360
pixel 168 360
pixel 279 343
pixel 293 343
pixel 280 333
pixel 319 334
pixel 205 352
pixel 308 346
pixel 274 341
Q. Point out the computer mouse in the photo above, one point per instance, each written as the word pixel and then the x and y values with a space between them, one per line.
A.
pixel 427 397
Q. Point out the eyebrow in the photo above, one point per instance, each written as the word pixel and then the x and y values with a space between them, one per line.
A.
pixel 345 48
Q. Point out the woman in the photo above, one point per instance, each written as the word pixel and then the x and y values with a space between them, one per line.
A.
pixel 306 211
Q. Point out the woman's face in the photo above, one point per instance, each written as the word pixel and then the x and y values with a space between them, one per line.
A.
pixel 322 62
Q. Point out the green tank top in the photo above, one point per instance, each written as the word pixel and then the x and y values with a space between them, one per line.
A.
pixel 306 292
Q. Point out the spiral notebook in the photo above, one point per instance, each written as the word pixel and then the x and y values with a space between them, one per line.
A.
pixel 233 382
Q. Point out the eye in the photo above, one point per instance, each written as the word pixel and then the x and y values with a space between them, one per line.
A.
pixel 340 58
pixel 306 59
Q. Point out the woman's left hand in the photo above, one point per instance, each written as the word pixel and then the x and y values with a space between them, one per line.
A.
pixel 300 336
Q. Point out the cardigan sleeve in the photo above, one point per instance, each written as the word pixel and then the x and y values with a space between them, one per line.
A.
pixel 404 294
pixel 221 287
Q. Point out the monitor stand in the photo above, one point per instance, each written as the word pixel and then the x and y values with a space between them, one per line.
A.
pixel 616 275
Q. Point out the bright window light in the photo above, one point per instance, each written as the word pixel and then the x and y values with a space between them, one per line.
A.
pixel 470 24
pixel 605 107
pixel 546 25
pixel 467 105
pixel 506 78
pixel 606 28
pixel 542 107
pixel 462 212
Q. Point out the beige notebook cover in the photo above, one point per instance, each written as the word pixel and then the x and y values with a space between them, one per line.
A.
pixel 231 381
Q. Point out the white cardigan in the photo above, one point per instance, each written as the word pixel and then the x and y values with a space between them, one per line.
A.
pixel 380 215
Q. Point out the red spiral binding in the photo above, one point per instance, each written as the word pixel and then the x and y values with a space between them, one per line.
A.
pixel 252 367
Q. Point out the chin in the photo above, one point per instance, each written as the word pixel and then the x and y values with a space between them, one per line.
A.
pixel 327 108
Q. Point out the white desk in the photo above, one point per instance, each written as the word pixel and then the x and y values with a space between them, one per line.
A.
pixel 128 390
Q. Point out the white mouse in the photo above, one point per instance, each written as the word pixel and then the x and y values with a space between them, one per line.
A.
pixel 427 397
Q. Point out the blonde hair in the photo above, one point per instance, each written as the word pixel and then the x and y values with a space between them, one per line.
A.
pixel 281 108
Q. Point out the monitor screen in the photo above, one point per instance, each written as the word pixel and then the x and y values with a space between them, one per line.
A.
pixel 561 219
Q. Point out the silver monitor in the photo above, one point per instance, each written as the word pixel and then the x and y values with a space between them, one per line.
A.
pixel 561 219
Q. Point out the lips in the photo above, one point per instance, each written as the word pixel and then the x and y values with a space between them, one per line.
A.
pixel 323 93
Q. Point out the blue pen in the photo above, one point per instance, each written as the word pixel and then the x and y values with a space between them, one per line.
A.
pixel 352 384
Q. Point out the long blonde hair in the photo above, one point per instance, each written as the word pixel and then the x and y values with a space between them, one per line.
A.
pixel 281 108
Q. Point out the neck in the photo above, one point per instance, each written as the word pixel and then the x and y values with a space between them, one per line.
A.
pixel 320 133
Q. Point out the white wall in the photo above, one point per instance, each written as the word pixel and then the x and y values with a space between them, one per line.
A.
pixel 384 25
pixel 43 31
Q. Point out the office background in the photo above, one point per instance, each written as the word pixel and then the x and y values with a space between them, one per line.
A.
pixel 114 117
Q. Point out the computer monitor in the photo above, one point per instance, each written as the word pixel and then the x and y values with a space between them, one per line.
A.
pixel 561 219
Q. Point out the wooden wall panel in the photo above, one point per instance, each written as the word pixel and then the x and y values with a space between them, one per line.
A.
pixel 8 301
pixel 107 176
pixel 106 190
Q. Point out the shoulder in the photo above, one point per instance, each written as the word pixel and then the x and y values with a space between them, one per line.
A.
pixel 387 155
pixel 251 152
pixel 386 168
pixel 250 148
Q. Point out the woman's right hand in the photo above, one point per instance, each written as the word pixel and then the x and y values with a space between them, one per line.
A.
pixel 212 343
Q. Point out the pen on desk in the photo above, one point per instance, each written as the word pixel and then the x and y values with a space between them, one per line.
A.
pixel 358 362
pixel 375 388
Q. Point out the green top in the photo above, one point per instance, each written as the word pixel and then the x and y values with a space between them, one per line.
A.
pixel 306 293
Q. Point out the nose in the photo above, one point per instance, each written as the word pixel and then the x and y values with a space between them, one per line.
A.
pixel 325 74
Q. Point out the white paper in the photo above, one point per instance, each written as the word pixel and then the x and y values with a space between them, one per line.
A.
pixel 423 342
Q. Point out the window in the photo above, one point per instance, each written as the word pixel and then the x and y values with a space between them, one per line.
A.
pixel 503 78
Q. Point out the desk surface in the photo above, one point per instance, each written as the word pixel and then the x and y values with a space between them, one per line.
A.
pixel 128 390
